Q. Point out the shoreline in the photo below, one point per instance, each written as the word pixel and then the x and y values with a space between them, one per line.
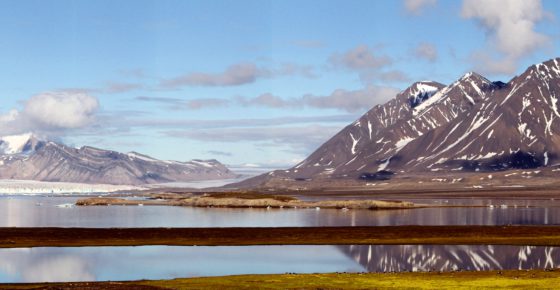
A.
pixel 548 278
pixel 377 235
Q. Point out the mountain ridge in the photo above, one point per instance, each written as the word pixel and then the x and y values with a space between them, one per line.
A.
pixel 37 159
pixel 472 124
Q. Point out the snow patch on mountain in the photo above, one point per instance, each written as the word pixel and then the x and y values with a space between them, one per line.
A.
pixel 14 144
pixel 430 101
pixel 203 163
pixel 403 142
pixel 135 155
pixel 420 92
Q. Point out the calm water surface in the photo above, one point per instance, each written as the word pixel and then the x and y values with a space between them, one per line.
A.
pixel 165 262
pixel 40 211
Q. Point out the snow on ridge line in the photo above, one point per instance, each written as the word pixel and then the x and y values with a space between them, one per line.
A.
pixel 202 163
pixel 141 157
pixel 135 155
pixel 432 100
pixel 423 87
pixel 439 95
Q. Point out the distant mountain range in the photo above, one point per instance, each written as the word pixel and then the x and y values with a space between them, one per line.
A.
pixel 473 124
pixel 28 157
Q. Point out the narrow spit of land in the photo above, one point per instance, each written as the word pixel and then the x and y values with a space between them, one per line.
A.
pixel 441 235
pixel 516 279
pixel 244 200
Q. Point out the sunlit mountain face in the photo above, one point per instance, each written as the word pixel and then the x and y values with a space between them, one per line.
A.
pixel 470 125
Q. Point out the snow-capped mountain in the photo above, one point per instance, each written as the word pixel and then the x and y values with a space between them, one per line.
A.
pixel 472 124
pixel 27 157
pixel 18 144
pixel 517 127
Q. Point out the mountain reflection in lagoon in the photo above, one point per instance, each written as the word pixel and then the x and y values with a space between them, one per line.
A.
pixel 402 258
pixel 167 262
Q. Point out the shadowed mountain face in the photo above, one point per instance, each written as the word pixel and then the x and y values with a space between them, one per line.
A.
pixel 472 124
pixel 29 158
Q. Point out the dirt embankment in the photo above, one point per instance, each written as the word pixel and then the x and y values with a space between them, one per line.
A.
pixel 394 235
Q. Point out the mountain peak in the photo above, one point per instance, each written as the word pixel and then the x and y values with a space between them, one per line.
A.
pixel 470 125
pixel 421 91
pixel 548 69
pixel 473 76
pixel 29 158
pixel 18 144
pixel 553 62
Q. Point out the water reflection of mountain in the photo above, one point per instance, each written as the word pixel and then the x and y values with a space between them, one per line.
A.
pixel 399 258
pixel 438 216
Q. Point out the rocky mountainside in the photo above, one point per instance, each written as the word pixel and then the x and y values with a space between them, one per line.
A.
pixel 472 124
pixel 27 157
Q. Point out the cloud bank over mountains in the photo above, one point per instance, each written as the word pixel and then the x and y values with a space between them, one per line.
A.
pixel 51 113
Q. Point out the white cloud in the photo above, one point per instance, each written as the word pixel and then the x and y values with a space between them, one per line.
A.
pixel 308 43
pixel 110 122
pixel 236 75
pixel 360 58
pixel 416 6
pixel 426 51
pixel 61 109
pixel 267 100
pixel 394 76
pixel 352 101
pixel 11 116
pixel 510 26
pixel 51 112
pixel 206 103
pixel 120 87
pixel 343 100
pixel 370 64
pixel 301 139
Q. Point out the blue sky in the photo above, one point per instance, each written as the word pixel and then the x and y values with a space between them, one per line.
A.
pixel 259 82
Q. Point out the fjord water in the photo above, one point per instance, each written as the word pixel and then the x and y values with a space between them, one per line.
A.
pixel 42 211
pixel 167 262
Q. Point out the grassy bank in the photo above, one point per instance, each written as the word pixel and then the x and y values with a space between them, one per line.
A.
pixel 450 235
pixel 541 279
